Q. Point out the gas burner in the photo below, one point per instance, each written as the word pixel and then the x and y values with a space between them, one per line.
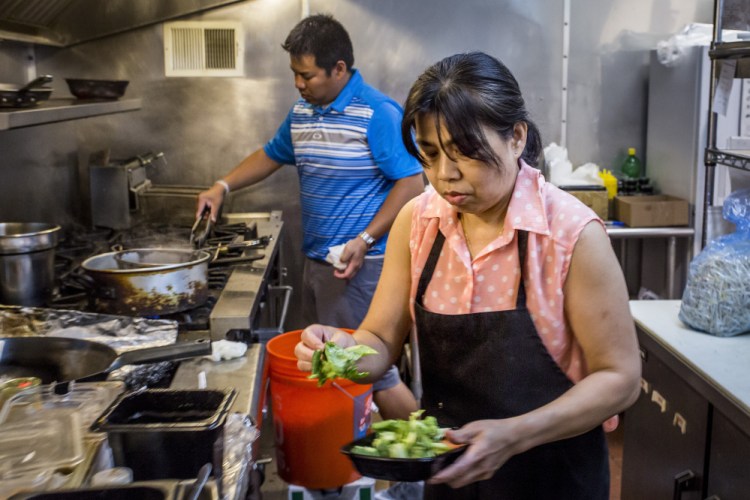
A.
pixel 72 291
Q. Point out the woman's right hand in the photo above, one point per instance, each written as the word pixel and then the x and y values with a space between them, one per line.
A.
pixel 491 444
pixel 212 198
pixel 313 338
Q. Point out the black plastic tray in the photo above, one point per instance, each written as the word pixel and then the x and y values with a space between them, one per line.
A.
pixel 399 469
pixel 167 434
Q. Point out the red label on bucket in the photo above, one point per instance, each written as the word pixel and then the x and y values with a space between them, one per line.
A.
pixel 362 414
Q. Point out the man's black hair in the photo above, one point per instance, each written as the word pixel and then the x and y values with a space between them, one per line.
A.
pixel 325 38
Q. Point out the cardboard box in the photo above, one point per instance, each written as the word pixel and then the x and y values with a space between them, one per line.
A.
pixel 594 197
pixel 651 210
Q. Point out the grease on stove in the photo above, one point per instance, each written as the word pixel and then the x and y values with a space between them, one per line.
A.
pixel 152 375
pixel 115 294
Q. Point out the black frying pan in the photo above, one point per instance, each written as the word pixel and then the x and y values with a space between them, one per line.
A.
pixel 26 96
pixel 60 359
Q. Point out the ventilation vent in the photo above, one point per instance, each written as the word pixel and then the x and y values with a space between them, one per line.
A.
pixel 197 48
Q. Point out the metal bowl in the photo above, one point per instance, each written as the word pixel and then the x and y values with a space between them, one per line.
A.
pixel 97 89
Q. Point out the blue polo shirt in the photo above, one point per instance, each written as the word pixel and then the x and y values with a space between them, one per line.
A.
pixel 348 156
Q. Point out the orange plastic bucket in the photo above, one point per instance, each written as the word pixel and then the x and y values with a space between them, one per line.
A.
pixel 312 423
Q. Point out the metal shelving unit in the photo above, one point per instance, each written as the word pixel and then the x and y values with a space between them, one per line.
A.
pixel 57 110
pixel 736 159
pixel 720 51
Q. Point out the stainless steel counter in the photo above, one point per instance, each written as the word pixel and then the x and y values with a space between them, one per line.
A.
pixel 243 302
pixel 718 365
pixel 669 233
pixel 243 374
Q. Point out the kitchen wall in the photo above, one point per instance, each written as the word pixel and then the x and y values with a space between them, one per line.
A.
pixel 207 125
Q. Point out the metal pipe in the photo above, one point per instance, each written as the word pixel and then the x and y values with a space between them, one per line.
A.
pixel 671 261
pixel 708 188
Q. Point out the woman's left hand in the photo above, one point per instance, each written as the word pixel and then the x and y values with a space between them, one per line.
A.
pixel 491 444
pixel 314 338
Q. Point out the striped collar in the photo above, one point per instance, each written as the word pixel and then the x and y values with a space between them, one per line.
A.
pixel 345 96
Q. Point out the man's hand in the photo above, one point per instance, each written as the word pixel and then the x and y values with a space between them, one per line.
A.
pixel 353 255
pixel 212 198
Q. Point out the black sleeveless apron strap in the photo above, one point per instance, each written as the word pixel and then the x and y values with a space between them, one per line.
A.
pixel 493 365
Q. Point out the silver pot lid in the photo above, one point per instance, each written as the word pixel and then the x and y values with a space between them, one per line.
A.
pixel 141 260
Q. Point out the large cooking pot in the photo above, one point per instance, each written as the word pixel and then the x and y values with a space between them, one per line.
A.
pixel 62 359
pixel 148 281
pixel 27 262
pixel 13 96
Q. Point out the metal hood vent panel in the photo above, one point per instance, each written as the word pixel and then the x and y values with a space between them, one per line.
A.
pixel 203 48
pixel 63 23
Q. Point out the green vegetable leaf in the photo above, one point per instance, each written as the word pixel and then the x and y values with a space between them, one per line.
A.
pixel 334 361
pixel 413 438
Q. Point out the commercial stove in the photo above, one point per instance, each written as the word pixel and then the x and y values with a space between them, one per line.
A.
pixel 252 307
pixel 247 299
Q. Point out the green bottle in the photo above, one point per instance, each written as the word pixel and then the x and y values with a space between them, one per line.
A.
pixel 631 167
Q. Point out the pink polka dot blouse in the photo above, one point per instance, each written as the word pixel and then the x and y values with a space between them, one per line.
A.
pixel 554 220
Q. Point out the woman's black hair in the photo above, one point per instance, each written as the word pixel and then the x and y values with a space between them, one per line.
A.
pixel 465 92
pixel 323 37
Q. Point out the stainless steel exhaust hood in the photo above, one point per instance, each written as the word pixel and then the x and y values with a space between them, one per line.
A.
pixel 62 23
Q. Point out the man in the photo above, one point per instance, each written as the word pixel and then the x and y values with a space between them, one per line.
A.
pixel 355 174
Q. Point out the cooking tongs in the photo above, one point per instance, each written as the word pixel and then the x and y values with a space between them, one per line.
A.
pixel 197 237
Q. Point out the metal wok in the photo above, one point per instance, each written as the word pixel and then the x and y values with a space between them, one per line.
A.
pixel 12 96
pixel 62 359
pixel 97 89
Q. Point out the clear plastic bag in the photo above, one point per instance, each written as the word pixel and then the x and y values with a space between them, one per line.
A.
pixel 717 295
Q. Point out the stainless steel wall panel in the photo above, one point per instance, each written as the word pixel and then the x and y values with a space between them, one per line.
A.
pixel 607 92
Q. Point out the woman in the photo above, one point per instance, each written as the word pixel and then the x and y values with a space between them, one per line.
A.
pixel 525 336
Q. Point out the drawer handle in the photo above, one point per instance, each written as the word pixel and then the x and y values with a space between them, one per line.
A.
pixel 657 398
pixel 684 481
pixel 645 386
pixel 680 422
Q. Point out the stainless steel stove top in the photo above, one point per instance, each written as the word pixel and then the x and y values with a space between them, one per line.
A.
pixel 251 308
pixel 249 301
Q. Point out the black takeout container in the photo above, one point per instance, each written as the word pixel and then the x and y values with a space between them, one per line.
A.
pixel 399 469
pixel 164 433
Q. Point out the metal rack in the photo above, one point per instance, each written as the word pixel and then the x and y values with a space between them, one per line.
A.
pixel 58 110
pixel 732 158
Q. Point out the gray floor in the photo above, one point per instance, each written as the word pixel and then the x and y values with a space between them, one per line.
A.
pixel 273 487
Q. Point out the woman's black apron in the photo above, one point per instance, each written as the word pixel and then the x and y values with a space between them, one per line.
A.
pixel 493 365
